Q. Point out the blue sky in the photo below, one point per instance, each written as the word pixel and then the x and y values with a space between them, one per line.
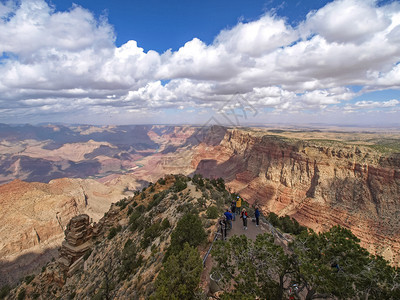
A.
pixel 159 25
pixel 127 62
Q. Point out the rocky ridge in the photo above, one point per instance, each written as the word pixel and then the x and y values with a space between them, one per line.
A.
pixel 34 215
pixel 319 182
pixel 126 247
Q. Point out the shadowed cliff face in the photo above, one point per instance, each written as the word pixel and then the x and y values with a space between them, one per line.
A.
pixel 33 217
pixel 320 183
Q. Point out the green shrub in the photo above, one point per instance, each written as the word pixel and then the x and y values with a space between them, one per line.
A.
pixel 165 224
pixel 179 185
pixel 141 208
pixel 21 294
pixel 35 296
pixel 198 179
pixel 150 234
pixel 113 232
pixel 187 208
pixel 286 224
pixel 202 202
pixel 137 220
pixel 130 259
pixel 122 203
pixel 185 269
pixel 4 291
pixel 212 212
pixel 188 230
pixel 161 181
pixel 219 184
pixel 157 198
pixel 28 279
pixel 130 210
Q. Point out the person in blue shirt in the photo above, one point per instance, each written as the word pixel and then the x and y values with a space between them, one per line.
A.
pixel 233 209
pixel 229 217
pixel 257 215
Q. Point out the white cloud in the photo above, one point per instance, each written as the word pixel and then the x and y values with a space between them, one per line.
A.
pixel 376 104
pixel 35 29
pixel 6 9
pixel 257 38
pixel 346 21
pixel 52 60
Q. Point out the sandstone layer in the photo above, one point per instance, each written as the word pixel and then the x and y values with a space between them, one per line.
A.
pixel 34 215
pixel 321 183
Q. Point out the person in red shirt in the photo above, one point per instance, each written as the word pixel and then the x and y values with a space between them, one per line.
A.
pixel 244 216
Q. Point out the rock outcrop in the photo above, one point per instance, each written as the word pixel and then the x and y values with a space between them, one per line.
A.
pixel 123 265
pixel 34 215
pixel 319 182
pixel 78 241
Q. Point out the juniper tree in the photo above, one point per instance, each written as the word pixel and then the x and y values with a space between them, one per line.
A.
pixel 257 269
pixel 180 277
pixel 325 265
pixel 333 264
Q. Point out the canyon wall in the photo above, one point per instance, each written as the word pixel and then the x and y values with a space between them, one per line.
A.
pixel 33 217
pixel 321 183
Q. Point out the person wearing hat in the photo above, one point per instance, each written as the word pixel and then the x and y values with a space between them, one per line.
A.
pixel 238 205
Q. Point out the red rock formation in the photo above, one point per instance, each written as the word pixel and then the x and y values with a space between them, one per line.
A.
pixel 319 183
pixel 78 240
pixel 33 217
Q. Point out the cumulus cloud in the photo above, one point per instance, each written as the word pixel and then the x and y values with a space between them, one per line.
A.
pixel 346 21
pixel 375 104
pixel 35 28
pixel 59 62
pixel 257 38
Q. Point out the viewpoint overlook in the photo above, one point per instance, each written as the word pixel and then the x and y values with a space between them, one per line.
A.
pixel 317 179
pixel 193 150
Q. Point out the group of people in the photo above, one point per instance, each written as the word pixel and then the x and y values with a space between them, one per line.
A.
pixel 236 209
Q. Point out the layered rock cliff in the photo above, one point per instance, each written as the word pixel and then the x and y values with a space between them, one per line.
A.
pixel 319 182
pixel 33 217
pixel 121 255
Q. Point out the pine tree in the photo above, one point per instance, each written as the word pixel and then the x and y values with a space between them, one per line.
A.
pixel 188 230
pixel 252 266
pixel 180 277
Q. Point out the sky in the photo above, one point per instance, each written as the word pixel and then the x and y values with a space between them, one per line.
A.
pixel 200 62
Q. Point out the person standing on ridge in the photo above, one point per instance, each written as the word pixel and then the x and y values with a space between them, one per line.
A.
pixel 257 215
pixel 222 226
pixel 233 209
pixel 229 218
pixel 238 205
pixel 244 216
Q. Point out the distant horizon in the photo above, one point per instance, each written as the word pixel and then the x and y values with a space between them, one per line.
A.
pixel 234 62
pixel 303 126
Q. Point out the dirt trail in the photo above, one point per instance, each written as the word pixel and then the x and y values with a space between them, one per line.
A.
pixel 252 230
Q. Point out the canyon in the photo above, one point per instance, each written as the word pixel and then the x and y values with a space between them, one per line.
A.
pixel 321 177
pixel 320 183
